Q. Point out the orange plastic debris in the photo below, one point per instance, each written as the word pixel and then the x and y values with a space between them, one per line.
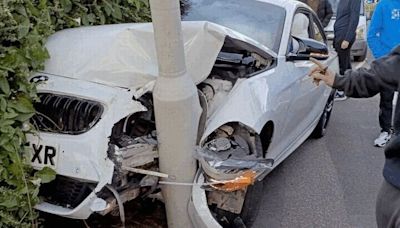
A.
pixel 239 183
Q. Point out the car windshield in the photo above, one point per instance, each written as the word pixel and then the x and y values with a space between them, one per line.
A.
pixel 335 3
pixel 260 21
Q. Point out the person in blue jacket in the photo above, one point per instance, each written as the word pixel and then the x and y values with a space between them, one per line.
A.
pixel 383 36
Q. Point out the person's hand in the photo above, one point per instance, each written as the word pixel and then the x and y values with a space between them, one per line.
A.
pixel 345 44
pixel 320 72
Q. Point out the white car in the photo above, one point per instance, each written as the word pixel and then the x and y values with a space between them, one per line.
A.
pixel 95 115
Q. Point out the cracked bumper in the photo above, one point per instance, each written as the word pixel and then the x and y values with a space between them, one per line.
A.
pixel 199 212
pixel 91 204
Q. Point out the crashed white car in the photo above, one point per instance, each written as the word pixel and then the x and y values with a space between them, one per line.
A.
pixel 95 115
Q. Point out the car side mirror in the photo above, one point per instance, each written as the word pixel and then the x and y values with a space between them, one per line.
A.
pixel 304 49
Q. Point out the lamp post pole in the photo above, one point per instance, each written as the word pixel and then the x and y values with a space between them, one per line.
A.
pixel 177 110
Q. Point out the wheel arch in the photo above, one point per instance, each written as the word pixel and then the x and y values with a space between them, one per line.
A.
pixel 266 135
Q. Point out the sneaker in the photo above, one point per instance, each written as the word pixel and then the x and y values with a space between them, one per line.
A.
pixel 340 96
pixel 382 139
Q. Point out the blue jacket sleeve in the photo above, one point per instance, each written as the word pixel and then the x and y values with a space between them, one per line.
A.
pixel 375 27
pixel 355 6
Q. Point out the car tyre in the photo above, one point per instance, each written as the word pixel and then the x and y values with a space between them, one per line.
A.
pixel 320 129
pixel 252 203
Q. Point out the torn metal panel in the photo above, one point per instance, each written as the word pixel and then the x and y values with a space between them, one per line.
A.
pixel 231 151
pixel 137 152
pixel 215 92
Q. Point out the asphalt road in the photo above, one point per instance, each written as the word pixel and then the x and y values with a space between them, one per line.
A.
pixel 329 182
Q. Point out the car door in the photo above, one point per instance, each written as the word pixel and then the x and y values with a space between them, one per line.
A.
pixel 307 97
pixel 319 94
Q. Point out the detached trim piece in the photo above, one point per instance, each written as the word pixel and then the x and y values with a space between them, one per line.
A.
pixel 66 114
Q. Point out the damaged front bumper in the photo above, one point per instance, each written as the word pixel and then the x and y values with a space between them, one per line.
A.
pixel 88 206
pixel 231 163
pixel 199 212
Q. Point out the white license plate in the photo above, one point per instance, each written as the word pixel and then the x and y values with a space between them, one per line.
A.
pixel 43 154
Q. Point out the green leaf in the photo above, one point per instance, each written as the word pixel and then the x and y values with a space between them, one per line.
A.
pixel 10 115
pixel 4 86
pixel 117 12
pixel 66 5
pixel 91 18
pixel 137 5
pixel 108 8
pixel 24 117
pixel 3 104
pixel 22 105
pixel 102 18
pixel 5 123
pixel 85 20
pixel 23 28
pixel 46 175
pixel 8 147
pixel 9 202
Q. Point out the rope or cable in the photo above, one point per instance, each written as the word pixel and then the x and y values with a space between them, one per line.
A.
pixel 120 204
pixel 193 184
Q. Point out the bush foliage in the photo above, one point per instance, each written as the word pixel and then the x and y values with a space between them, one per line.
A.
pixel 24 27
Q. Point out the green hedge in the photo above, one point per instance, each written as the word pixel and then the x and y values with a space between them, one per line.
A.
pixel 24 28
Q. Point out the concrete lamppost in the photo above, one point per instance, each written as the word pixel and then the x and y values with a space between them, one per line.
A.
pixel 177 110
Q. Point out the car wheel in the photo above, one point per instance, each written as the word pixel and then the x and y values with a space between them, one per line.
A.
pixel 362 57
pixel 320 129
pixel 251 205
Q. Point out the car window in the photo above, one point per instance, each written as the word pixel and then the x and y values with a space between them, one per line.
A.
pixel 260 21
pixel 300 26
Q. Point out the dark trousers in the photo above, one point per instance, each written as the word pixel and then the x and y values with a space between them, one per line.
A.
pixel 388 206
pixel 343 54
pixel 385 110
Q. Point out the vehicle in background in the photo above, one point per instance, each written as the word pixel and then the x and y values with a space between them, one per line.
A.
pixel 359 48
pixel 370 7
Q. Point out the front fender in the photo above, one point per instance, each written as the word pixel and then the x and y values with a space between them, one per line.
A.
pixel 248 103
